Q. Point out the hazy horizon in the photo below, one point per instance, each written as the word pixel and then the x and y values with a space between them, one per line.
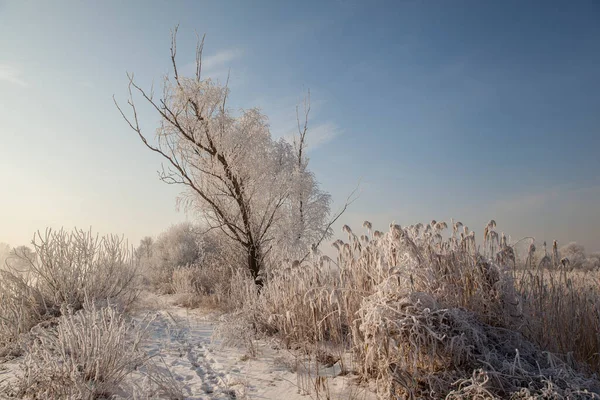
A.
pixel 466 110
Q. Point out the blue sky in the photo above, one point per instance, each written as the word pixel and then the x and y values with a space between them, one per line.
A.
pixel 442 109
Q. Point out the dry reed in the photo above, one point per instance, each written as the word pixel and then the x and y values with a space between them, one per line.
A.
pixel 425 314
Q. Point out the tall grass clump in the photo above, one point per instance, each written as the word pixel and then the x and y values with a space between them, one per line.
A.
pixel 85 356
pixel 562 309
pixel 65 269
pixel 425 313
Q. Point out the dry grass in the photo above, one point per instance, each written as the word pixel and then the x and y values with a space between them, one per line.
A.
pixel 159 383
pixel 422 311
pixel 201 285
pixel 562 311
pixel 427 314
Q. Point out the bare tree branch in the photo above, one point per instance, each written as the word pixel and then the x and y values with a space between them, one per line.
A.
pixel 352 197
pixel 199 48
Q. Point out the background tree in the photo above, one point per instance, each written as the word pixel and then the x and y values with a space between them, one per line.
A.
pixel 578 258
pixel 575 253
pixel 178 246
pixel 235 175
pixel 20 259
pixel 306 223
pixel 144 250
pixel 5 250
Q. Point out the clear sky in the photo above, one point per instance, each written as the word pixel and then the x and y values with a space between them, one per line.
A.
pixel 465 109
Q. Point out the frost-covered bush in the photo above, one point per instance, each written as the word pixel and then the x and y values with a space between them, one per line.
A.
pixel 22 306
pixel 196 267
pixel 86 356
pixel 573 256
pixel 66 268
pixel 415 349
pixel 72 267
pixel 17 260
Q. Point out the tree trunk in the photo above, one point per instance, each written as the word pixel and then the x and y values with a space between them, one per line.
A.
pixel 254 264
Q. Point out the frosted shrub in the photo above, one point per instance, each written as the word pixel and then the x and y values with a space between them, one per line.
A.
pixel 86 356
pixel 575 253
pixel 208 280
pixel 5 251
pixel 65 269
pixel 72 267
pixel 593 262
pixel 21 307
pixel 414 348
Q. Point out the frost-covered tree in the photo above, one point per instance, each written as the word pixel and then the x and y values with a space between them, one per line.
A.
pixel 303 223
pixel 5 250
pixel 20 259
pixel 575 253
pixel 144 250
pixel 178 246
pixel 257 191
pixel 593 261
pixel 578 258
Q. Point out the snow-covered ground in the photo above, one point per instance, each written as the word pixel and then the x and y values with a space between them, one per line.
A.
pixel 181 341
pixel 187 362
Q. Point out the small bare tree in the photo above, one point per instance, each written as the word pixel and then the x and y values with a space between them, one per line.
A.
pixel 235 175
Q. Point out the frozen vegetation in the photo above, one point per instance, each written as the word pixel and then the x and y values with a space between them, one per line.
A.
pixel 412 312
pixel 244 304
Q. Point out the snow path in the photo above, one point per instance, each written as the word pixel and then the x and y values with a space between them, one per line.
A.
pixel 181 348
pixel 180 343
